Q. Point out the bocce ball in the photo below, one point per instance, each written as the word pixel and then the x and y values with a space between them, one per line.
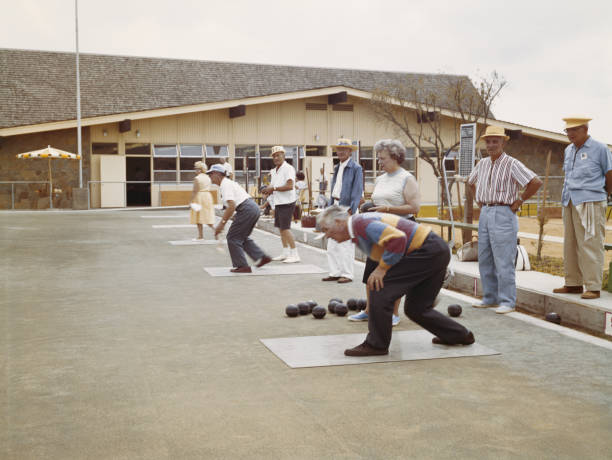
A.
pixel 304 308
pixel 311 303
pixel 553 317
pixel 341 309
pixel 454 310
pixel 361 304
pixel 318 312
pixel 292 311
pixel 331 306
pixel 351 304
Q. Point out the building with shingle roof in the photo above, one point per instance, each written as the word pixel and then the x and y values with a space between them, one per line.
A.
pixel 147 120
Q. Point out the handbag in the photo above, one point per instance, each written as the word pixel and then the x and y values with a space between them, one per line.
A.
pixel 468 252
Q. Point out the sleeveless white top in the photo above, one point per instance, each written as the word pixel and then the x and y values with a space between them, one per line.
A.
pixel 389 189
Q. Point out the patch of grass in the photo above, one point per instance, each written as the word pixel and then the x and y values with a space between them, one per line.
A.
pixel 554 266
pixel 551 265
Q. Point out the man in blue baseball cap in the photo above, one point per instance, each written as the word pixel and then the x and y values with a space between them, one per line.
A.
pixel 238 201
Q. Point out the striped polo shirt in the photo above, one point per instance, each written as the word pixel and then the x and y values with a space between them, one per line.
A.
pixel 499 181
pixel 386 238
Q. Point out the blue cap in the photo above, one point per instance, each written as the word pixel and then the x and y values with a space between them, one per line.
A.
pixel 216 168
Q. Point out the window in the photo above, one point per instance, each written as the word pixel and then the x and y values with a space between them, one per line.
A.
pixel 104 148
pixel 164 163
pixel 366 160
pixel 137 149
pixel 214 153
pixel 265 161
pixel 217 151
pixel 165 151
pixel 316 151
pixel 409 163
pixel 190 154
pixel 293 154
pixel 245 167
pixel 449 161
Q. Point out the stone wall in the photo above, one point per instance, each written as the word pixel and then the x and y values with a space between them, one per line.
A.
pixel 65 172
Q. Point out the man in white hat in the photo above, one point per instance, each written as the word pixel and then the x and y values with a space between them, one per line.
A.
pixel 282 188
pixel 495 182
pixel 588 181
pixel 239 241
pixel 347 189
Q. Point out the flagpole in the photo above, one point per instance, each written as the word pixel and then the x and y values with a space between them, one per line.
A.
pixel 78 94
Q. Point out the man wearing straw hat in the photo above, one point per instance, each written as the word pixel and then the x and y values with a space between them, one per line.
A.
pixel 347 189
pixel 282 188
pixel 496 182
pixel 588 180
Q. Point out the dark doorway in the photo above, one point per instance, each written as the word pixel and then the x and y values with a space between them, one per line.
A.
pixel 138 169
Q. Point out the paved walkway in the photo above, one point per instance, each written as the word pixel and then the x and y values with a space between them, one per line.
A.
pixel 116 344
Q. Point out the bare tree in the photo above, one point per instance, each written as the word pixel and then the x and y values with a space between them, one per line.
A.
pixel 425 109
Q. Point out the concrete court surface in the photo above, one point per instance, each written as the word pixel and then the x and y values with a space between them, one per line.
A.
pixel 116 345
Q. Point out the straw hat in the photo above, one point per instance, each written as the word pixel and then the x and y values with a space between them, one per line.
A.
pixel 495 131
pixel 276 149
pixel 346 143
pixel 572 122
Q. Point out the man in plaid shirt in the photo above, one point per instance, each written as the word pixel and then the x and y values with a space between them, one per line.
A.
pixel 496 182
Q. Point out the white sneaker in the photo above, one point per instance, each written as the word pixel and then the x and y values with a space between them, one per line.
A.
pixel 281 257
pixel 395 320
pixel 292 260
pixel 504 309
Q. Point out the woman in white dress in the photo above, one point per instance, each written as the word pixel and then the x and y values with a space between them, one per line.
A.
pixel 202 210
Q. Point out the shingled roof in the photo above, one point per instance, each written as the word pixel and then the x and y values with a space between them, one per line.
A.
pixel 39 86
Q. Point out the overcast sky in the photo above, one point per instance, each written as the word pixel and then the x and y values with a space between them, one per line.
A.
pixel 555 55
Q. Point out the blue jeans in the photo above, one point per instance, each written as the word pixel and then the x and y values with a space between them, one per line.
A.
pixel 497 232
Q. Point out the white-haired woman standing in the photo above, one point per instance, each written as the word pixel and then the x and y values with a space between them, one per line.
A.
pixel 202 210
pixel 395 192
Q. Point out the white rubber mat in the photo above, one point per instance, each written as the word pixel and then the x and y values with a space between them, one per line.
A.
pixel 191 242
pixel 328 350
pixel 270 269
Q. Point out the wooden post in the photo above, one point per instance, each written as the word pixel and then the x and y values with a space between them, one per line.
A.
pixel 50 184
pixel 542 218
pixel 468 217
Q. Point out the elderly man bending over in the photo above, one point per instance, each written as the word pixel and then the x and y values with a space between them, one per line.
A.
pixel 411 260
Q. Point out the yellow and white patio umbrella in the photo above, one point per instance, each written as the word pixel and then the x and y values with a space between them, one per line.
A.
pixel 50 153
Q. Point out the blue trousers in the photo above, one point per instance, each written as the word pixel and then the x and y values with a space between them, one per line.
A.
pixel 497 232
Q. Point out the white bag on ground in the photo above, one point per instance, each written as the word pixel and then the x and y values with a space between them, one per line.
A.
pixel 522 259
pixel 468 252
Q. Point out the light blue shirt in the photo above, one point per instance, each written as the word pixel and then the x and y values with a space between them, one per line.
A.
pixel 585 172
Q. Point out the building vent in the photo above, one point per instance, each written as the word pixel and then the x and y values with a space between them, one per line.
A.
pixel 315 106
pixel 343 107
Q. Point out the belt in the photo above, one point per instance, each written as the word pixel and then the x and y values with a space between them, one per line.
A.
pixel 495 204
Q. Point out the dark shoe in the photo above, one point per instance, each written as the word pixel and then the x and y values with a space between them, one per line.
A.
pixel 590 295
pixel 469 340
pixel 330 278
pixel 568 290
pixel 365 350
pixel 245 269
pixel 264 260
pixel 344 279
